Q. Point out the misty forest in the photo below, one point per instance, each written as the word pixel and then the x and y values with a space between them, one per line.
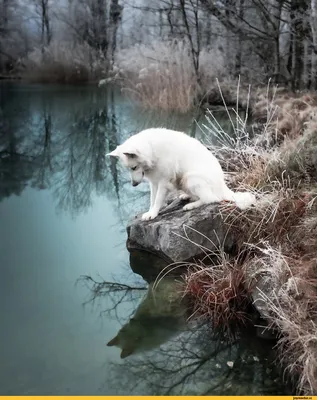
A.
pixel 185 44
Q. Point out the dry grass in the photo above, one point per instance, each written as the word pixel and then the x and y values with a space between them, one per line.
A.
pixel 162 75
pixel 278 237
pixel 219 295
pixel 64 63
pixel 278 240
pixel 290 299
pixel 285 116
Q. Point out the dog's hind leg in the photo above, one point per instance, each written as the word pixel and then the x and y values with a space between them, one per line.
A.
pixel 184 196
pixel 198 203
pixel 194 204
pixel 199 188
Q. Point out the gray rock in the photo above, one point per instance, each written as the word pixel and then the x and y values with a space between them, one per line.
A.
pixel 165 236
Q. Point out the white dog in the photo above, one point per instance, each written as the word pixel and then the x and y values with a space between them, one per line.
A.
pixel 173 160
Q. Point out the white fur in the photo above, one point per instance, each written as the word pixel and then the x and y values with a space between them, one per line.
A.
pixel 169 160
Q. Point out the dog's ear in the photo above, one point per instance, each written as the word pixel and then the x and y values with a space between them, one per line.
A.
pixel 114 153
pixel 126 353
pixel 131 155
pixel 114 341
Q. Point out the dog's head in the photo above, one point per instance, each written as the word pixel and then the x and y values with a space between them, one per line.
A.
pixel 131 159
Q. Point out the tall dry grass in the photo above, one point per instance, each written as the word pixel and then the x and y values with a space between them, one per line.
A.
pixel 289 114
pixel 276 239
pixel 290 299
pixel 162 76
pixel 64 63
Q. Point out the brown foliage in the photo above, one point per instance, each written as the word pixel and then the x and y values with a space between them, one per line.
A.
pixel 219 295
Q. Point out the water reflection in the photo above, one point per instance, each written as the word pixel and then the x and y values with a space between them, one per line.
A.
pixel 167 355
pixel 157 318
pixel 59 140
pixel 54 140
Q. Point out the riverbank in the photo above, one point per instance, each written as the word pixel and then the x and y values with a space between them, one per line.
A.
pixel 278 238
pixel 265 255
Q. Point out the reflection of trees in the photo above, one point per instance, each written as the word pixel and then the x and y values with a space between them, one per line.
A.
pixel 82 166
pixel 62 146
pixel 112 144
pixel 16 165
pixel 44 162
pixel 114 294
pixel 194 361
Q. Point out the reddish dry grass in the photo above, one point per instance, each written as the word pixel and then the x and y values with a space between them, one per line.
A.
pixel 219 295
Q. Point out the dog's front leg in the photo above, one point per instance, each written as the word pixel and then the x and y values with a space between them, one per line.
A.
pixel 158 202
pixel 153 188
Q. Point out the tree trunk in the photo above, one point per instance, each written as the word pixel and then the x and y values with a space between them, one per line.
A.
pixel 313 23
pixel 277 6
pixel 313 71
pixel 305 64
pixel 101 27
pixel 48 28
pixel 239 47
pixel 169 16
pixel 5 6
pixel 43 26
pixel 208 30
pixel 228 34
pixel 46 34
pixel 195 52
pixel 115 18
pixel 297 45
pixel 277 60
pixel 161 23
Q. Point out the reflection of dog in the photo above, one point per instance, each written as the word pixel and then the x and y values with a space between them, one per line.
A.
pixel 170 159
pixel 160 315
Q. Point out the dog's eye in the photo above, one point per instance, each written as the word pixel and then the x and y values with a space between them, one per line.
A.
pixel 133 168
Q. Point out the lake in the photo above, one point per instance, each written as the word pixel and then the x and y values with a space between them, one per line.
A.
pixel 64 207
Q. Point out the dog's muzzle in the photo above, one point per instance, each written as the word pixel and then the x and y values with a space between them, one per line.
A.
pixel 135 183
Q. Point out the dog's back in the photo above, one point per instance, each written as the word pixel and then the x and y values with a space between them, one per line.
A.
pixel 174 152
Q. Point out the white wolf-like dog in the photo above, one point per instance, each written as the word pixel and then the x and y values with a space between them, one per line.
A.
pixel 173 160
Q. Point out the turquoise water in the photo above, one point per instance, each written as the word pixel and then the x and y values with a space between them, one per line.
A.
pixel 63 211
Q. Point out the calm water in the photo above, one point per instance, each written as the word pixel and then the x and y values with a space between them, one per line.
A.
pixel 63 212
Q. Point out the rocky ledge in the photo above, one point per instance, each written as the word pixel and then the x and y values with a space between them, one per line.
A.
pixel 177 235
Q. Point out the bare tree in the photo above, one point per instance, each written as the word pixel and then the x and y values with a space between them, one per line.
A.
pixel 314 23
pixel 260 39
pixel 43 10
pixel 192 29
pixel 115 18
pixel 13 37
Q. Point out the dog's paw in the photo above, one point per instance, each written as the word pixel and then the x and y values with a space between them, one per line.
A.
pixel 188 207
pixel 184 196
pixel 148 216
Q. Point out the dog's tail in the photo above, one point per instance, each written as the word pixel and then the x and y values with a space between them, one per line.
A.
pixel 243 200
